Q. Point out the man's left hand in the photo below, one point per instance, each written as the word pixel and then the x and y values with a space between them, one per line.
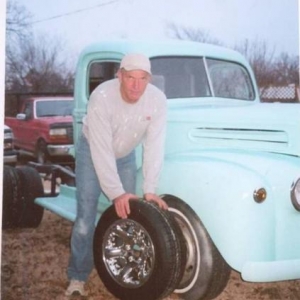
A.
pixel 153 197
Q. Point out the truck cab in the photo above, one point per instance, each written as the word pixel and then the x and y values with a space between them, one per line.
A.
pixel 43 128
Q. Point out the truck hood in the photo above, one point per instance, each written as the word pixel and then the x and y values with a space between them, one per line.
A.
pixel 58 119
pixel 271 127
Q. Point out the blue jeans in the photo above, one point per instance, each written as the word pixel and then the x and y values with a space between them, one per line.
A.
pixel 88 191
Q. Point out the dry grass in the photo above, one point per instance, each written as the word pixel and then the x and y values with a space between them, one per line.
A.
pixel 34 263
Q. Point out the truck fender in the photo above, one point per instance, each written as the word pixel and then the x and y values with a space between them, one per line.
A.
pixel 221 193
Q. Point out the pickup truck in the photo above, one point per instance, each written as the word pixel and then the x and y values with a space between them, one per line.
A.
pixel 43 128
pixel 231 178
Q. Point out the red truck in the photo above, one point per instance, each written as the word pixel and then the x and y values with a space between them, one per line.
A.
pixel 43 128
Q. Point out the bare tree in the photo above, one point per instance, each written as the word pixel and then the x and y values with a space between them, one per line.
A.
pixel 193 34
pixel 262 60
pixel 17 21
pixel 32 64
pixel 36 66
pixel 270 70
pixel 286 69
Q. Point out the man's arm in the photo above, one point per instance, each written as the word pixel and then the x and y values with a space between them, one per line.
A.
pixel 100 141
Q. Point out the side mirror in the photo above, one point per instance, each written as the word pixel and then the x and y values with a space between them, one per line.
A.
pixel 21 117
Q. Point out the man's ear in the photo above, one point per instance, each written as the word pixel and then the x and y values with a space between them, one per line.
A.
pixel 119 75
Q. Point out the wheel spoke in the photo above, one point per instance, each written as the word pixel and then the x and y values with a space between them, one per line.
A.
pixel 126 235
pixel 113 252
pixel 125 274
pixel 129 253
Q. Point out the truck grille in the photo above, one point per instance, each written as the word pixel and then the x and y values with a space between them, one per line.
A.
pixel 240 137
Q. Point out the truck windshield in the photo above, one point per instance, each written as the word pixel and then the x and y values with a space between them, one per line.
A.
pixel 230 80
pixel 54 108
pixel 186 77
pixel 180 77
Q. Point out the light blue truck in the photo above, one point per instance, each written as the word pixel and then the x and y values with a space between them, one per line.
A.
pixel 231 178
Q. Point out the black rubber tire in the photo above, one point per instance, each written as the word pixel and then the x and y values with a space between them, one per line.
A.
pixel 31 187
pixel 206 273
pixel 7 195
pixel 42 155
pixel 12 208
pixel 167 267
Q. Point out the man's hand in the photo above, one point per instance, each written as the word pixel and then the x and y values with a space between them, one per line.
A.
pixel 152 197
pixel 122 204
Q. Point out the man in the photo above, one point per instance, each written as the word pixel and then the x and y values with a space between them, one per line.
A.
pixel 121 114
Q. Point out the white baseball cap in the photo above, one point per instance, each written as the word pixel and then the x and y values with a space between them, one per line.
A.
pixel 136 61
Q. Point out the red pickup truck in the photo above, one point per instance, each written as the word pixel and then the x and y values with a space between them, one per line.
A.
pixel 43 128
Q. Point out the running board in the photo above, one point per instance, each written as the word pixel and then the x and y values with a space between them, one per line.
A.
pixel 65 204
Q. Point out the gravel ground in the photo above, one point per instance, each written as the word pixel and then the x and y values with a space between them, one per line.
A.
pixel 34 265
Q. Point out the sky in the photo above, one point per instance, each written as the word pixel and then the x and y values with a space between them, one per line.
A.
pixel 79 23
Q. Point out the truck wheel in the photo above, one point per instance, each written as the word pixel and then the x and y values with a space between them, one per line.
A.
pixel 42 155
pixel 12 208
pixel 206 273
pixel 138 257
pixel 7 196
pixel 31 187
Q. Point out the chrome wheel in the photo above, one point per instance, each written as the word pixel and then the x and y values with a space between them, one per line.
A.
pixel 138 258
pixel 129 254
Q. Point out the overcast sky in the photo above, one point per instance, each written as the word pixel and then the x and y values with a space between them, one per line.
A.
pixel 80 22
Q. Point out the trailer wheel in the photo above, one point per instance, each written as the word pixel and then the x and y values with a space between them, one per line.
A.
pixel 206 273
pixel 12 208
pixel 138 258
pixel 31 187
pixel 7 196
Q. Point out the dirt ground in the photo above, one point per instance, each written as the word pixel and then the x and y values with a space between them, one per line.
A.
pixel 34 265
pixel 34 262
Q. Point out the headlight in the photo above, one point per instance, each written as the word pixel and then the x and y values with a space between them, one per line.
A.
pixel 295 194
pixel 8 135
pixel 58 131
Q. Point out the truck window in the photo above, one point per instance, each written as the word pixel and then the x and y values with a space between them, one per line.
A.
pixel 28 110
pixel 51 108
pixel 100 72
pixel 230 80
pixel 180 77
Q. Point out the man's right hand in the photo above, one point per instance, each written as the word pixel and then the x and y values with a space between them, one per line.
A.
pixel 122 204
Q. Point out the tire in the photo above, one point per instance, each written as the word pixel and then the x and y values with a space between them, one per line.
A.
pixel 138 257
pixel 12 208
pixel 31 187
pixel 7 196
pixel 206 273
pixel 42 155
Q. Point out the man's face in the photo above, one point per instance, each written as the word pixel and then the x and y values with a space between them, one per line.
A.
pixel 133 84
